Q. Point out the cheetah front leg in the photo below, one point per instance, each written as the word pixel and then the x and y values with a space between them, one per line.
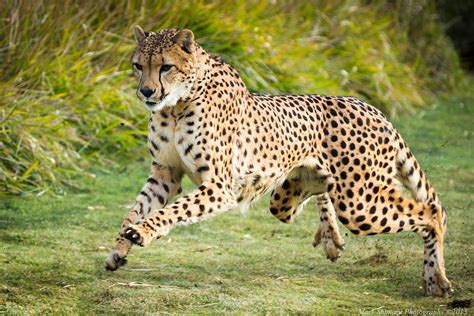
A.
pixel 209 199
pixel 328 232
pixel 162 185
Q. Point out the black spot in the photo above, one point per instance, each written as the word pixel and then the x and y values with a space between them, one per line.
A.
pixel 153 181
pixel 365 227
pixel 360 218
pixel 148 198
pixel 203 168
pixel 383 222
pixel 188 149
pixel 161 199
pixel 342 206
pixel 343 220
pixel 350 194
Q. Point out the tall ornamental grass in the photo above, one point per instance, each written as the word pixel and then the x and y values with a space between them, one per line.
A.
pixel 67 96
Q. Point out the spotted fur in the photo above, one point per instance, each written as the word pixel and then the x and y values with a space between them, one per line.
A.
pixel 236 146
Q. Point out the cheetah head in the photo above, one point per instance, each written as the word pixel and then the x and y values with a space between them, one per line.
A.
pixel 165 66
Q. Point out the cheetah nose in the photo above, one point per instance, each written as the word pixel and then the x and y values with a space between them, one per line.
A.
pixel 147 92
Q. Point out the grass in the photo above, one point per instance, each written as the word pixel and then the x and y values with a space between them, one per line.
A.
pixel 53 248
pixel 65 77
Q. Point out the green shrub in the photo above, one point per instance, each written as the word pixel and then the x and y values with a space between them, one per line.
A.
pixel 68 98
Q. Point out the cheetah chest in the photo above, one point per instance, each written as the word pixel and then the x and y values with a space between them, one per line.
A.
pixel 173 143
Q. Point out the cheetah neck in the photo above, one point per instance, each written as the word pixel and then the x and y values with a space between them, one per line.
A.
pixel 218 88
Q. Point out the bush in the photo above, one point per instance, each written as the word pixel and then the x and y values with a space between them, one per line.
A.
pixel 68 99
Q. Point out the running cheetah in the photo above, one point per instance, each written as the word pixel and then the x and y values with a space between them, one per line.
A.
pixel 236 146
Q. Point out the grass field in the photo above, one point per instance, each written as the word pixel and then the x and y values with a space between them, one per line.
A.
pixel 53 247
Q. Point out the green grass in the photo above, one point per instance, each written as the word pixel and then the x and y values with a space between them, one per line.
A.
pixel 66 88
pixel 53 247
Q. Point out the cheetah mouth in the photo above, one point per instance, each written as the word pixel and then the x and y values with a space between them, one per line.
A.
pixel 153 104
pixel 150 104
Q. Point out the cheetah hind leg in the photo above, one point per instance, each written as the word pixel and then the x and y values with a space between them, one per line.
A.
pixel 435 282
pixel 328 235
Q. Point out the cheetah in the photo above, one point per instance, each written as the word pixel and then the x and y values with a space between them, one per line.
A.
pixel 236 146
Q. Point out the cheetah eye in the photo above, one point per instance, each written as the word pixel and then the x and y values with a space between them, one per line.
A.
pixel 138 66
pixel 165 68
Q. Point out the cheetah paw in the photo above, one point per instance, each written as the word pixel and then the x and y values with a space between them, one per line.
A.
pixel 436 285
pixel 114 261
pixel 332 246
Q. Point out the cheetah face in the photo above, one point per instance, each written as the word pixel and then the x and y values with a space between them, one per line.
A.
pixel 164 64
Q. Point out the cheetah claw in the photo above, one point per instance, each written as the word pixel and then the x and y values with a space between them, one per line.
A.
pixel 333 259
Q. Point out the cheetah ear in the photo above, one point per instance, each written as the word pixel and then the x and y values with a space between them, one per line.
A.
pixel 140 35
pixel 185 39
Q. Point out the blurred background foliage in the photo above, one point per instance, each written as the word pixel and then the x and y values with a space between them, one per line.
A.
pixel 458 22
pixel 67 95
